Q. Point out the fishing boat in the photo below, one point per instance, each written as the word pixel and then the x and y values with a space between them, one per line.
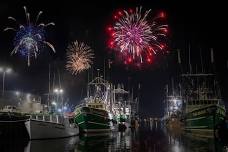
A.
pixel 204 108
pixel 122 107
pixel 173 113
pixel 203 105
pixel 41 126
pixel 92 117
pixel 95 115
pixel 12 122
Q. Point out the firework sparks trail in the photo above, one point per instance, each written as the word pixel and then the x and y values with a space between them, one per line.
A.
pixel 79 57
pixel 30 37
pixel 136 36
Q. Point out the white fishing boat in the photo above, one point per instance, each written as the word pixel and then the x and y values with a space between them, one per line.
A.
pixel 51 126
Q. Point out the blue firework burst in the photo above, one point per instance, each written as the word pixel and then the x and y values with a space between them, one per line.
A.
pixel 30 37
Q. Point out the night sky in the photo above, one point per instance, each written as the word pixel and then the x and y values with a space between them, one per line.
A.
pixel 203 25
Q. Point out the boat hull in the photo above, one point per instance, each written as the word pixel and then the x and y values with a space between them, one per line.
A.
pixel 203 121
pixel 48 130
pixel 92 120
pixel 12 125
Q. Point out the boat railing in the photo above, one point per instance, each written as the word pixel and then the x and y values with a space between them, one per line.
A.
pixel 48 118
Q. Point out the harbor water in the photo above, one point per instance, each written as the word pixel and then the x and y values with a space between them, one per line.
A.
pixel 147 138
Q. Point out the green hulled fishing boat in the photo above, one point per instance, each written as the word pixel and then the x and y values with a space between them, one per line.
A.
pixel 204 108
pixel 94 114
pixel 92 117
pixel 203 120
pixel 104 108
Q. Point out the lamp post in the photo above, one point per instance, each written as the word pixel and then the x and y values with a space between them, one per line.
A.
pixel 4 71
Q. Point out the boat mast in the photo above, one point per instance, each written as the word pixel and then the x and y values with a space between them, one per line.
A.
pixel 49 84
pixel 189 58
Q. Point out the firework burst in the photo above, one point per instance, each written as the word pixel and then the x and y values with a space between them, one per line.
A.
pixel 136 36
pixel 79 57
pixel 30 37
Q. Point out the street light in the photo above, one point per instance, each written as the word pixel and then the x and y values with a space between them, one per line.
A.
pixel 17 93
pixel 58 91
pixel 4 71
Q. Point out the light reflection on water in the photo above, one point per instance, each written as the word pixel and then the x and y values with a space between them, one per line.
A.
pixel 148 138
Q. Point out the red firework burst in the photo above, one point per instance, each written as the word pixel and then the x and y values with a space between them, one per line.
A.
pixel 136 36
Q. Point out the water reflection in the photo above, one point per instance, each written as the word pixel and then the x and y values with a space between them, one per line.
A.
pixel 150 137
pixel 12 145
pixel 180 141
pixel 55 145
pixel 118 141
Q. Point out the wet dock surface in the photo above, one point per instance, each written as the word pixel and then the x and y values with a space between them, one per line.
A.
pixel 144 139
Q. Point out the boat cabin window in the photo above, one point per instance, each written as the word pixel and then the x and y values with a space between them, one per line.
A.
pixel 96 106
pixel 47 118
pixel 40 117
pixel 10 107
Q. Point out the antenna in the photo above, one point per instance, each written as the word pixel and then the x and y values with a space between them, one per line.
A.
pixel 92 72
pixel 109 69
pixel 201 61
pixel 179 56
pixel 180 89
pixel 212 60
pixel 173 86
pixel 167 89
pixel 189 58
pixel 132 94
pixel 212 55
pixel 49 82
pixel 104 69
pixel 98 72
pixel 53 84
pixel 59 79
pixel 88 75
